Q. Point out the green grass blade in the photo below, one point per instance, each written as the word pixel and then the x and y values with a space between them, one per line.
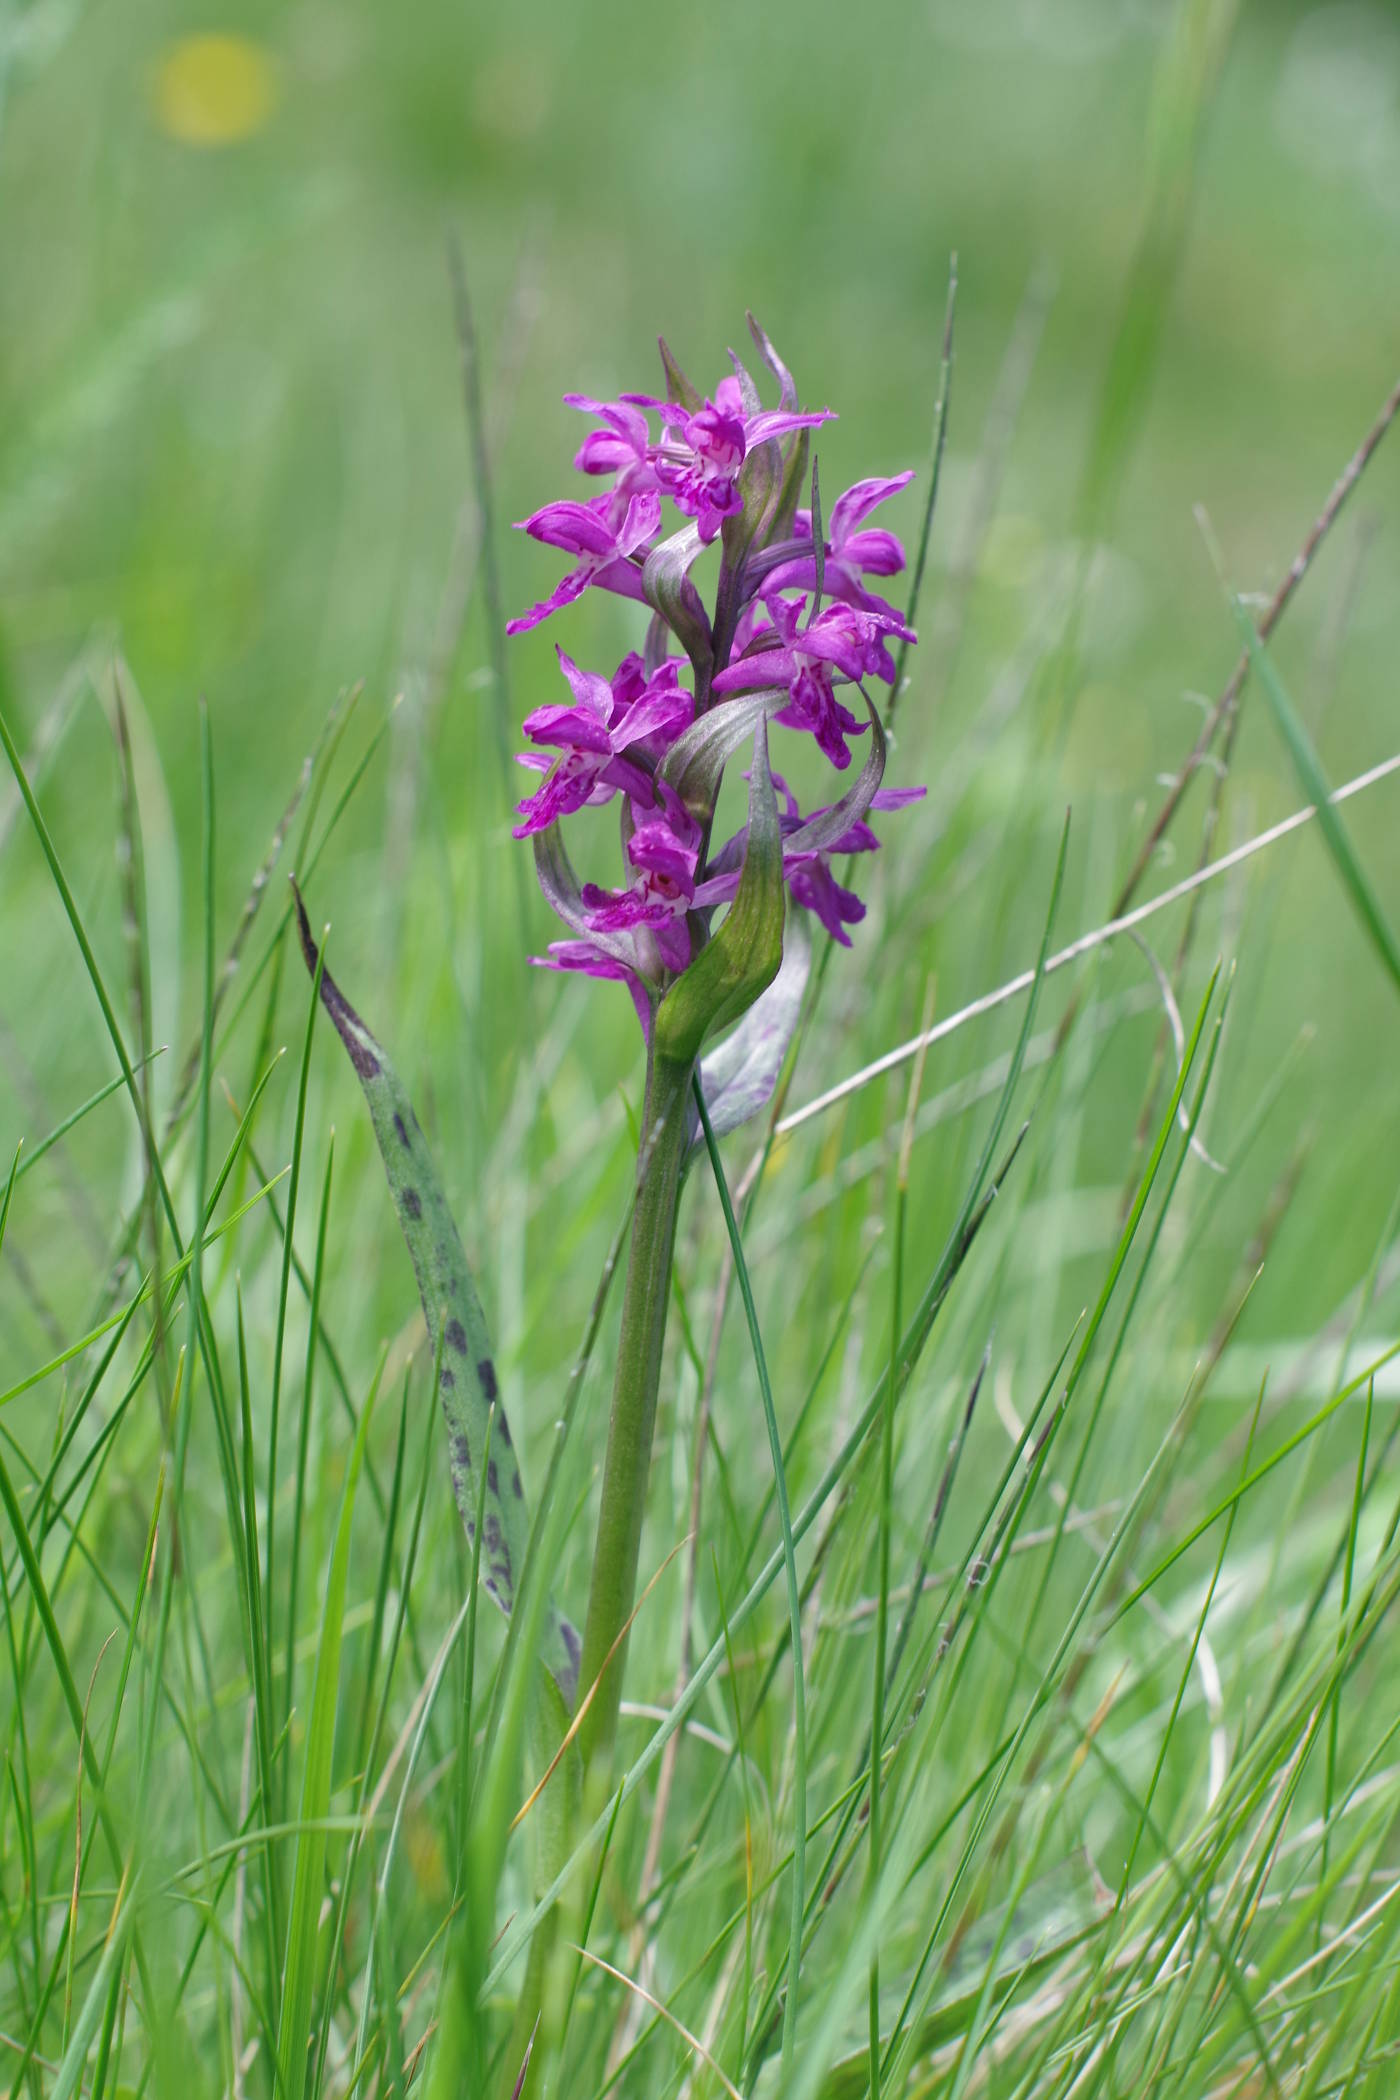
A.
pixel 283 1290
pixel 299 1968
pixel 1315 786
pixel 318 1274
pixel 69 2075
pixel 937 447
pixel 74 917
pixel 799 1694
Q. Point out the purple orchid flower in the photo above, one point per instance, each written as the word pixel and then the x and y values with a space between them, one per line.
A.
pixel 588 961
pixel 595 736
pixel 697 463
pixel 606 534
pixel 664 848
pixel 622 447
pixel 853 549
pixel 841 642
pixel 807 870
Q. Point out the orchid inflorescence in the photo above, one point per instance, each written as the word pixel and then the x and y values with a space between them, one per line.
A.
pixel 793 618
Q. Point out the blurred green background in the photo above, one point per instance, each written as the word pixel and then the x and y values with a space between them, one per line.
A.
pixel 233 449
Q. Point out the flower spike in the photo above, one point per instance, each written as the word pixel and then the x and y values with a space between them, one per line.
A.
pixel 696 931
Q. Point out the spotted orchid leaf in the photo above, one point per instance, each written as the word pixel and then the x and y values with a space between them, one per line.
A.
pixel 744 956
pixel 740 1073
pixel 456 1325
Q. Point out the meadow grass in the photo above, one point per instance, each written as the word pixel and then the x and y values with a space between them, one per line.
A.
pixel 1010 1707
pixel 1131 1823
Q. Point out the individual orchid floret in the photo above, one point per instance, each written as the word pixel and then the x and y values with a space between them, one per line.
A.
pixel 590 961
pixel 664 849
pixel 840 643
pixel 698 462
pixel 853 549
pixel 603 738
pixel 663 707
pixel 608 535
pixel 807 870
pixel 622 447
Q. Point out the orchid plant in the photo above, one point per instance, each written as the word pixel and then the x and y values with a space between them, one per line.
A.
pixel 793 620
pixel 710 939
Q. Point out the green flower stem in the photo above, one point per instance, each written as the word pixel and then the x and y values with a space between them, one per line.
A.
pixel 628 1462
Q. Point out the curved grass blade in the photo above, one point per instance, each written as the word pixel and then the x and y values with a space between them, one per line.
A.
pixel 456 1323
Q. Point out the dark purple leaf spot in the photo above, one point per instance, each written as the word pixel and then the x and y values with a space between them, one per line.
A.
pixel 486 1375
pixel 402 1128
pixel 348 1025
pixel 411 1203
pixel 457 1337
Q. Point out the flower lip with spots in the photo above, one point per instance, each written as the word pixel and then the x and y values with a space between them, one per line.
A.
pixel 664 849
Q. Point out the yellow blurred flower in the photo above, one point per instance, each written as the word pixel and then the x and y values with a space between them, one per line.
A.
pixel 214 90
